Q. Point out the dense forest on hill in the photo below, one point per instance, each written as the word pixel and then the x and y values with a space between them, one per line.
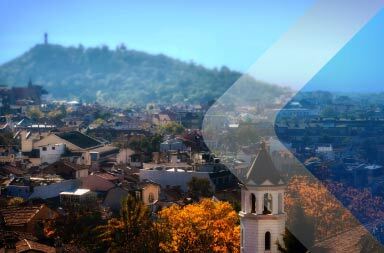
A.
pixel 120 76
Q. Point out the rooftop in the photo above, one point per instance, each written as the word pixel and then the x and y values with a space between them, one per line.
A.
pixel 31 246
pixel 77 192
pixel 15 216
pixel 79 139
pixel 263 170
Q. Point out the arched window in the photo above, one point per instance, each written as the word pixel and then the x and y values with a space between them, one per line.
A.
pixel 267 203
pixel 267 241
pixel 253 203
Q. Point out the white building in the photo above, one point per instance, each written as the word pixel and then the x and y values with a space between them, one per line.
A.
pixel 51 153
pixel 262 216
pixel 78 197
pixel 325 152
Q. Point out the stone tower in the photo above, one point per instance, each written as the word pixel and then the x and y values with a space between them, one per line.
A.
pixel 262 216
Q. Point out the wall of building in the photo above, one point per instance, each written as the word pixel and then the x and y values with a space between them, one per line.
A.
pixel 82 173
pixel 51 153
pixel 148 190
pixel 253 234
pixel 172 178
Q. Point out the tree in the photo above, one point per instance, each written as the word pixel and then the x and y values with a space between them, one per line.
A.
pixel 171 127
pixel 199 187
pixel 207 226
pixel 133 231
pixel 328 215
pixel 35 113
pixel 78 226
pixel 6 139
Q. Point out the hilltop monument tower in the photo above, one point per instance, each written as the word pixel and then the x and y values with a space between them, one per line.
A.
pixel 262 216
pixel 45 38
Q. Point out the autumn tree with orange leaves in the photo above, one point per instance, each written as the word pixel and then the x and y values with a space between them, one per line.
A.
pixel 207 226
pixel 329 215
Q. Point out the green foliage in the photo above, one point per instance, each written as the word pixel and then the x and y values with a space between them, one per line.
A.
pixel 35 113
pixel 98 121
pixel 121 77
pixel 149 144
pixel 199 188
pixel 133 231
pixel 171 128
pixel 6 139
pixel 58 113
pixel 79 227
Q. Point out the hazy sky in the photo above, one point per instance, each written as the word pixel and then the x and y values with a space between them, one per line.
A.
pixel 210 32
pixel 359 66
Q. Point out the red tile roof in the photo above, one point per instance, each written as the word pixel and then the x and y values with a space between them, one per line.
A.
pixel 26 245
pixel 15 216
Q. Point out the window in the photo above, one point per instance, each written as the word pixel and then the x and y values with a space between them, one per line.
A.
pixel 267 241
pixel 151 198
pixel 267 203
pixel 253 203
pixel 94 156
pixel 44 148
pixel 53 148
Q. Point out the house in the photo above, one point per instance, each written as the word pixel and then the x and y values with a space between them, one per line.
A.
pixel 66 170
pixel 42 186
pixel 114 197
pixel 26 218
pixel 88 150
pixel 28 246
pixel 150 191
pixel 31 93
pixel 346 241
pixel 100 156
pixel 75 141
pixel 160 119
pixel 147 191
pixel 44 190
pixel 51 153
pixel 78 198
pixel 97 184
pixel 173 145
pixel 175 174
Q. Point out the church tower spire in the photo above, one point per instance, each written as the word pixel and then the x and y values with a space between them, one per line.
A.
pixel 262 216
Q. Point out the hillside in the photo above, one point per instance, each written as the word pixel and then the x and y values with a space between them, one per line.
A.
pixel 119 77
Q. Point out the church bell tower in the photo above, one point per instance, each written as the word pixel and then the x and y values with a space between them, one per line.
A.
pixel 262 216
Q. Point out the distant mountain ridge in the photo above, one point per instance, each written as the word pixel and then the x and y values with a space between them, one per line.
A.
pixel 119 77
